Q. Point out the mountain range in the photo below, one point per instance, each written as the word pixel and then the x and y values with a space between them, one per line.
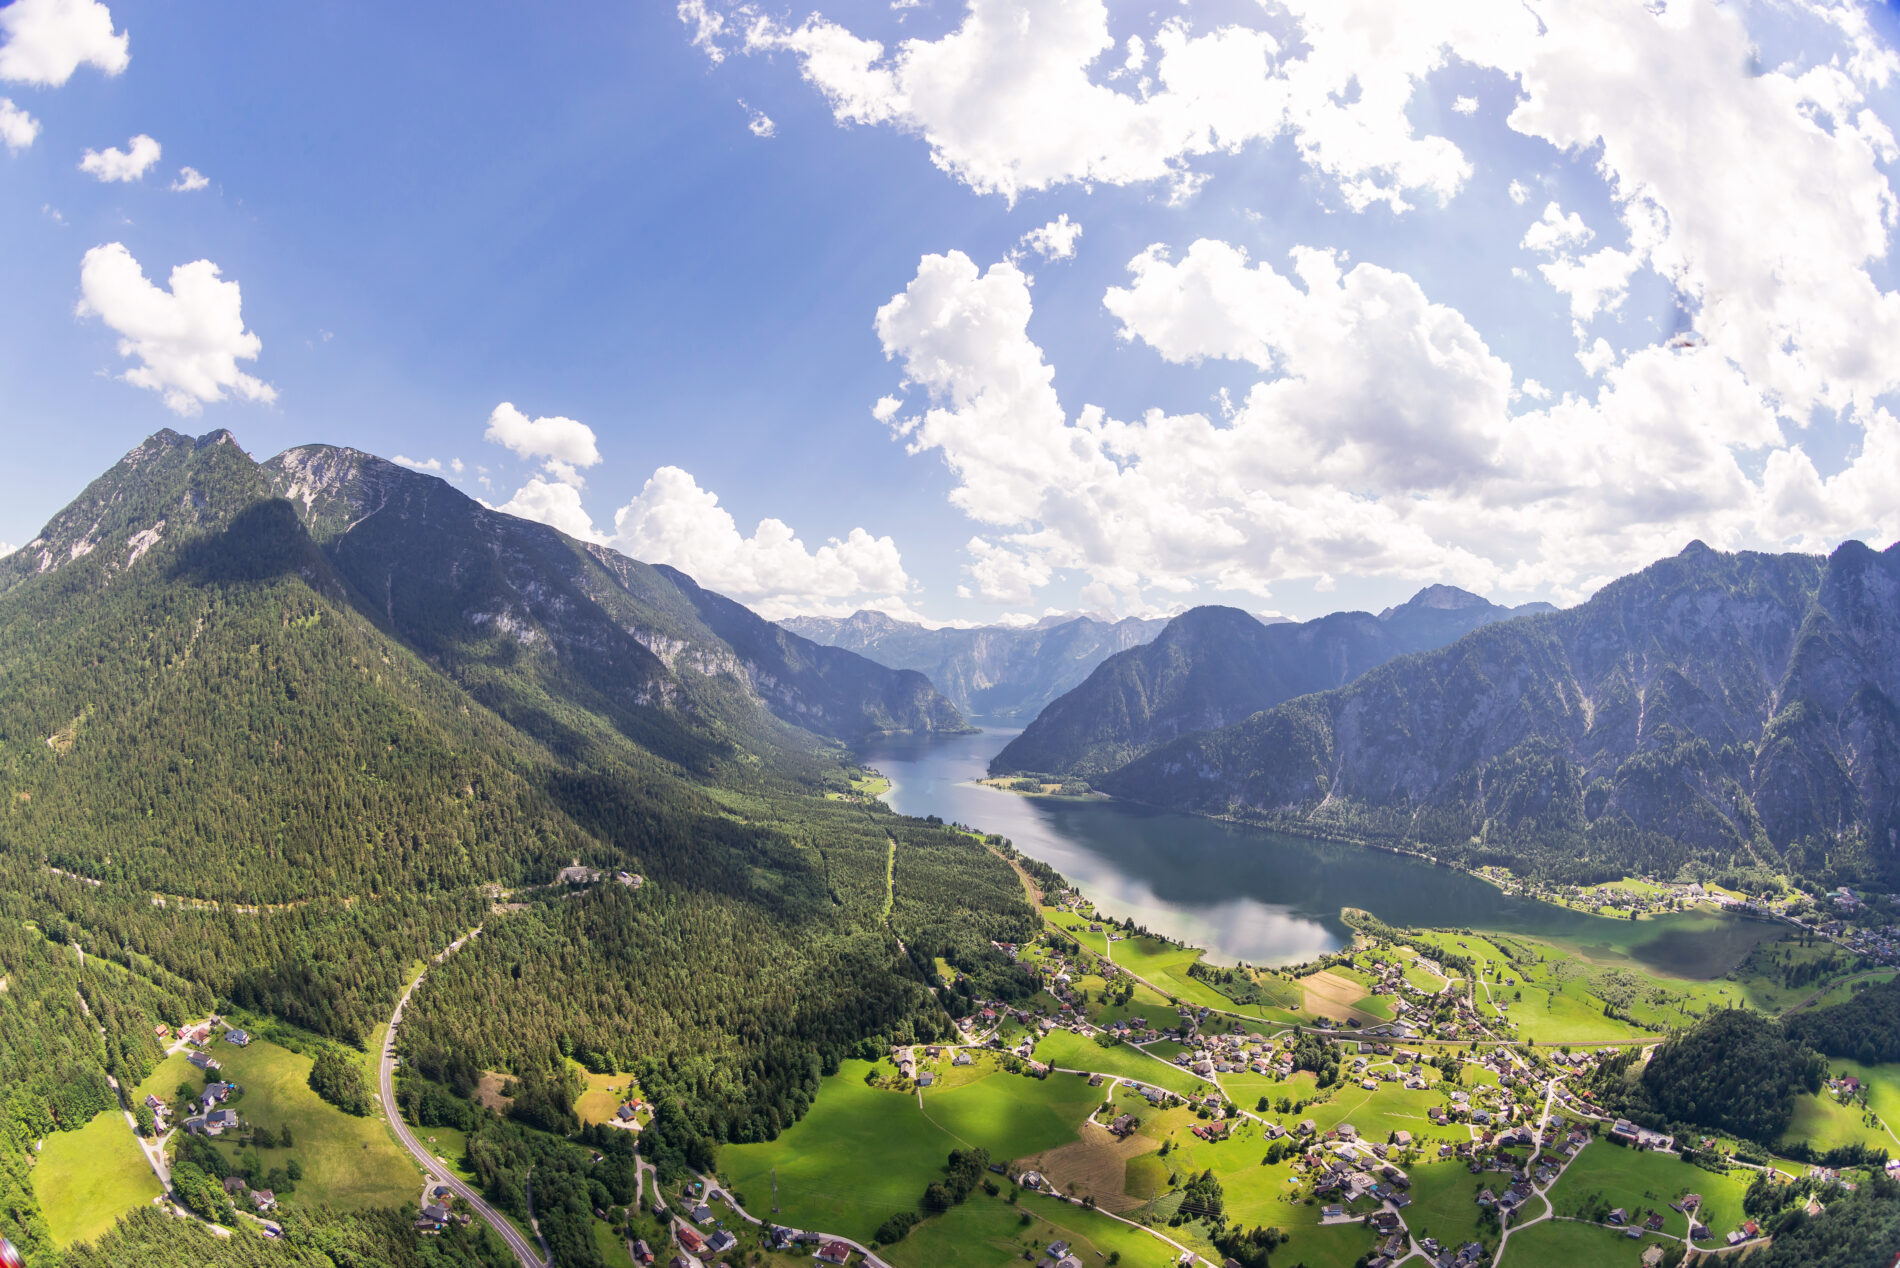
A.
pixel 1733 707
pixel 994 671
pixel 1212 666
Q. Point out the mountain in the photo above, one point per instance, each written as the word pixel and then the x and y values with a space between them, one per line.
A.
pixel 273 733
pixel 1731 707
pixel 1215 665
pixel 997 671
pixel 672 664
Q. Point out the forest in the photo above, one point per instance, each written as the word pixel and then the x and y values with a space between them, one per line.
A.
pixel 228 779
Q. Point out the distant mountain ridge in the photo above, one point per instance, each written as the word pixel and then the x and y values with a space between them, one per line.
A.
pixel 1212 666
pixel 1000 671
pixel 1729 707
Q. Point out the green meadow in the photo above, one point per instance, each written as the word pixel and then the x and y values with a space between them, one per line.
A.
pixel 862 1154
pixel 1573 1245
pixel 348 1162
pixel 1641 1181
pixel 89 1178
pixel 1069 1051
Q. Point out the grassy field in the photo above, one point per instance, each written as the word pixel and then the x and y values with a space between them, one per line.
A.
pixel 1574 1245
pixel 603 1093
pixel 1166 965
pixel 862 1154
pixel 87 1179
pixel 1826 1124
pixel 987 1232
pixel 348 1162
pixel 1639 1182
pixel 1070 1051
pixel 1883 1091
pixel 1444 1203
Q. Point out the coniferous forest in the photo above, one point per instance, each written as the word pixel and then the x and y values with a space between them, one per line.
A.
pixel 230 777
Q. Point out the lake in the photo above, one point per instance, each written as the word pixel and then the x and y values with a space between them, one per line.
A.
pixel 1264 897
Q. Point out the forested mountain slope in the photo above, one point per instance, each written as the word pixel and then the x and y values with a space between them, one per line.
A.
pixel 493 598
pixel 1216 665
pixel 996 671
pixel 1713 705
pixel 273 733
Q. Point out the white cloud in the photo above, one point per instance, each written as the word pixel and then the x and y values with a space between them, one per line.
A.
pixel 1004 575
pixel 1465 105
pixel 189 179
pixel 187 340
pixel 554 503
pixel 1007 104
pixel 1381 440
pixel 47 40
pixel 758 123
pixel 1055 240
pixel 7 548
pixel 113 164
pixel 561 440
pixel 674 521
pixel 431 465
pixel 1518 192
pixel 1556 231
pixel 707 26
pixel 17 128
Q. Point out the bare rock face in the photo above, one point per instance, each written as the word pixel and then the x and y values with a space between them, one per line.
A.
pixel 1729 707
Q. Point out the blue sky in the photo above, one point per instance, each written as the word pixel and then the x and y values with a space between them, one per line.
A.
pixel 1329 332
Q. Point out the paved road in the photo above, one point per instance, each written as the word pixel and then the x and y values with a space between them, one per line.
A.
pixel 386 1079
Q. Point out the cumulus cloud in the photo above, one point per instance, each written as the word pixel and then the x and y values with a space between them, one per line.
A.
pixel 674 521
pixel 1007 104
pixel 114 164
pixel 1557 231
pixel 1055 240
pixel 1382 438
pixel 556 439
pixel 189 179
pixel 47 40
pixel 431 465
pixel 17 128
pixel 187 340
pixel 1465 105
pixel 554 502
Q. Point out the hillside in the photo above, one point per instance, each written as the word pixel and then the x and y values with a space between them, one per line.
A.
pixel 997 671
pixel 1213 666
pixel 1733 707
pixel 273 733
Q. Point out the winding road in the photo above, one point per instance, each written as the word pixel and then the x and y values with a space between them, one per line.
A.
pixel 386 1081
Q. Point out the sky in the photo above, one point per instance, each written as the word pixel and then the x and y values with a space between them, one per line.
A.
pixel 977 311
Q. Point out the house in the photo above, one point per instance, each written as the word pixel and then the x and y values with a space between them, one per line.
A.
pixel 218 1122
pixel 962 1058
pixel 834 1252
pixel 237 1038
pixel 642 1254
pixel 263 1199
pixel 721 1242
pixel 1030 1179
pixel 689 1237
pixel 926 1079
pixel 434 1218
pixel 1402 1139
pixel 1619 1217
pixel 203 1062
pixel 702 1214
pixel 218 1093
pixel 235 1184
pixel 624 1113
